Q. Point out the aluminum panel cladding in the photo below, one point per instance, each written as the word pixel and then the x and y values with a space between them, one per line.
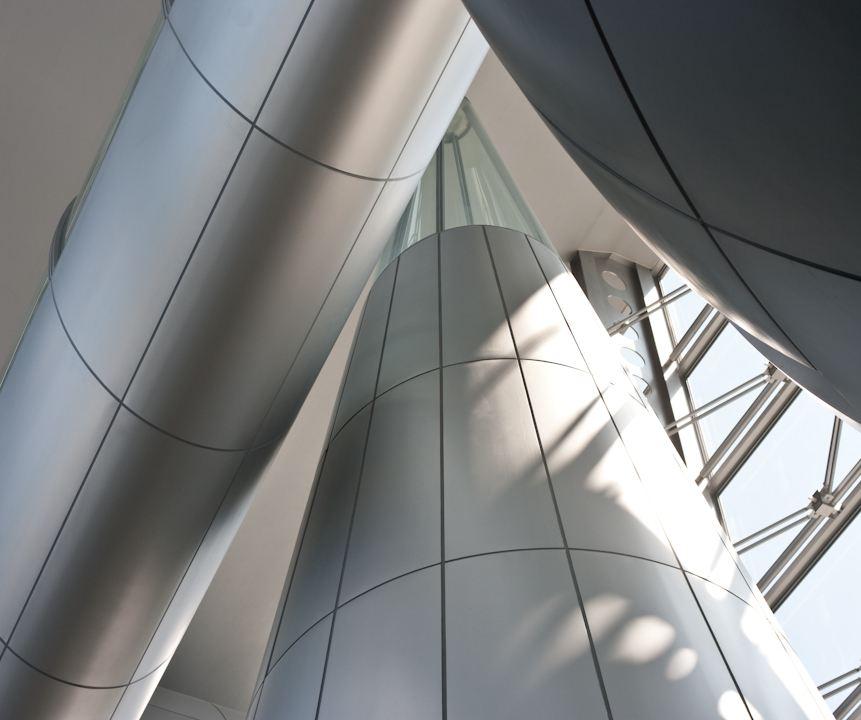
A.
pixel 250 295
pixel 601 357
pixel 538 326
pixel 361 381
pixel 238 47
pixel 340 302
pixel 27 693
pixel 313 586
pixel 751 172
pixel 762 667
pixel 53 415
pixel 823 320
pixel 691 527
pixel 473 318
pixel 684 245
pixel 596 485
pixel 386 657
pixel 516 643
pixel 396 526
pixel 292 687
pixel 156 186
pixel 657 656
pixel 496 492
pixel 574 85
pixel 207 559
pixel 128 541
pixel 361 100
pixel 136 697
pixel 412 337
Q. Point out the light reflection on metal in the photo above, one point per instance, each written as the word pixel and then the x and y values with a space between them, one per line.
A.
pixel 823 520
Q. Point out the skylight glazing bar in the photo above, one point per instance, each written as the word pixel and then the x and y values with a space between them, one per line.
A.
pixel 741 425
pixel 701 345
pixel 640 315
pixel 758 533
pixel 837 691
pixel 843 710
pixel 833 449
pixel 751 440
pixel 773 535
pixel 812 552
pixel 688 336
pixel 836 680
pixel 717 403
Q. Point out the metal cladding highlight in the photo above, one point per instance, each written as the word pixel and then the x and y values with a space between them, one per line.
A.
pixel 500 527
pixel 726 134
pixel 196 288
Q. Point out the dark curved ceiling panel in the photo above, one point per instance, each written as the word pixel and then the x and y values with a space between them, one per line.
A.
pixel 727 135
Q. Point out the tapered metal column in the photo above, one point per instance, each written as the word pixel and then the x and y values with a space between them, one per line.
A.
pixel 501 528
pixel 259 166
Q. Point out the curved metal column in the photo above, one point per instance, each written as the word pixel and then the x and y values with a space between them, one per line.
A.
pixel 501 528
pixel 259 166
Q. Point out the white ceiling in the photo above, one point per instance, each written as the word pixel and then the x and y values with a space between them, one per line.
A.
pixel 63 68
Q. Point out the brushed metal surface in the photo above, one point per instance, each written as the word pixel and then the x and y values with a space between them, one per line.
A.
pixel 250 295
pixel 207 559
pixel 596 484
pixel 292 687
pixel 238 47
pixel 128 541
pixel 764 670
pixel 27 693
pixel 360 100
pixel 313 586
pixel 538 325
pixel 496 492
pixel 738 168
pixel 657 656
pixel 823 318
pixel 352 278
pixel 443 103
pixel 386 657
pixel 43 457
pixel 698 259
pixel 364 365
pixel 159 180
pixel 602 359
pixel 516 644
pixel 205 282
pixel 133 704
pixel 412 338
pixel 690 525
pixel 396 528
pixel 473 319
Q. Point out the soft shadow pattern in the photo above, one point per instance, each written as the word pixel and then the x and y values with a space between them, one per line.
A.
pixel 565 560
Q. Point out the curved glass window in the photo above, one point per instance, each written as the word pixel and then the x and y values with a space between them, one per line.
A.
pixel 466 183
